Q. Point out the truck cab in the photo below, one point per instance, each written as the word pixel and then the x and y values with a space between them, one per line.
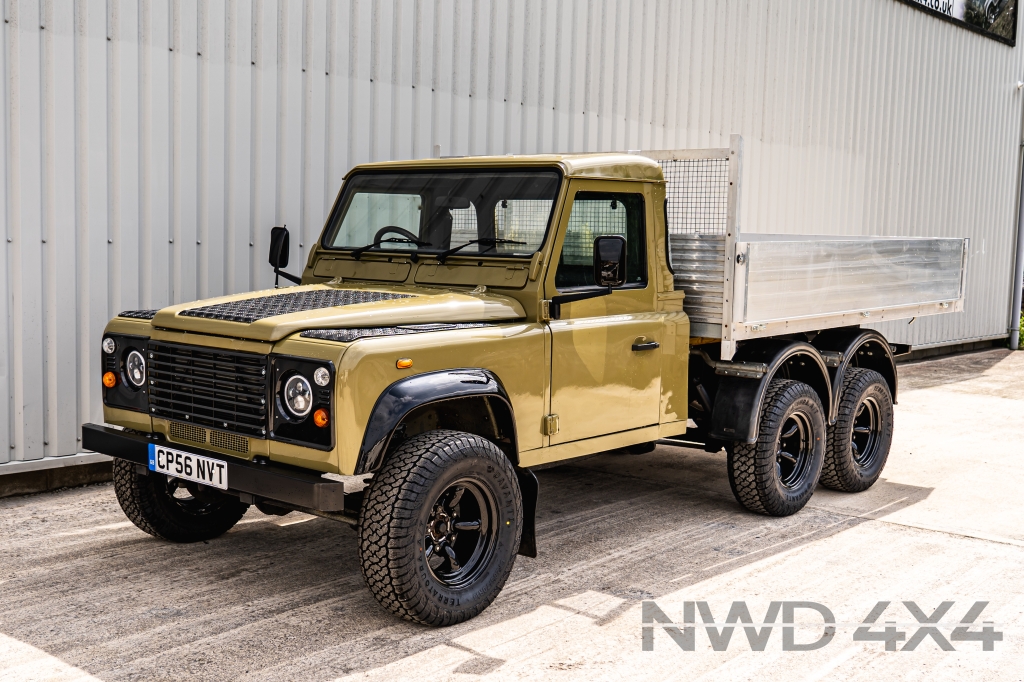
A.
pixel 458 323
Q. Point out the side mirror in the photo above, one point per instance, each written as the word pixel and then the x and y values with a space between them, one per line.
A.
pixel 279 247
pixel 610 261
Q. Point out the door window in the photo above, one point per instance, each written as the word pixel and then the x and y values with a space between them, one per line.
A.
pixel 593 215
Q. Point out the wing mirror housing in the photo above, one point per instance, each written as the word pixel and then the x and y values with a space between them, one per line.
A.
pixel 610 260
pixel 279 243
pixel 609 272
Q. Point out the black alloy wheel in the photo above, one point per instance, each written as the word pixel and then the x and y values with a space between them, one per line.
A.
pixel 440 527
pixel 172 508
pixel 460 533
pixel 776 474
pixel 795 450
pixel 859 441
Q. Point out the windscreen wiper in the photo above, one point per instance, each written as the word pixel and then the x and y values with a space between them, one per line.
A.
pixel 491 243
pixel 358 253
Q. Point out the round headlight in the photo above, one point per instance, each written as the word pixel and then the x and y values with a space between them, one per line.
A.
pixel 135 369
pixel 298 395
pixel 321 376
pixel 109 345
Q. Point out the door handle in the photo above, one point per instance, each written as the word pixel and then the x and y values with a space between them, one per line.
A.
pixel 646 345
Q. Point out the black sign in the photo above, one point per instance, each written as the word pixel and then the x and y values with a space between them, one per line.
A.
pixel 996 19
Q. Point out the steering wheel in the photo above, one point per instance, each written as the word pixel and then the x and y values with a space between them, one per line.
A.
pixel 379 237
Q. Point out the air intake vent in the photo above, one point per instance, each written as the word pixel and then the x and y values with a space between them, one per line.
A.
pixel 209 387
pixel 229 441
pixel 188 432
pixel 139 314
pixel 249 310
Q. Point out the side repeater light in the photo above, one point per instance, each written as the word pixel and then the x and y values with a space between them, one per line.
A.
pixel 320 418
pixel 404 363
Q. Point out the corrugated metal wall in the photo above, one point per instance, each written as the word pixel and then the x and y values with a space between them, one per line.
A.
pixel 149 146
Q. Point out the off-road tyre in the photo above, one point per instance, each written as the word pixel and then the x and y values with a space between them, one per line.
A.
pixel 148 502
pixel 756 474
pixel 858 443
pixel 396 547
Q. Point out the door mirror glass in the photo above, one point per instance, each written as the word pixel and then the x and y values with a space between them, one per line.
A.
pixel 610 260
pixel 279 247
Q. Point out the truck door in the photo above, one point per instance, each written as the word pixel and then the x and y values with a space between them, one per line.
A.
pixel 605 364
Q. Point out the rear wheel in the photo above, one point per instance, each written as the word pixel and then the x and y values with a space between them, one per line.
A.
pixel 174 509
pixel 859 442
pixel 776 475
pixel 440 527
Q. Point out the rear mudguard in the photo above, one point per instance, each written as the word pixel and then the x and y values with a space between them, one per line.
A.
pixel 738 400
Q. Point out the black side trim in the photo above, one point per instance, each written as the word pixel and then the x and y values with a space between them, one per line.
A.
pixel 738 400
pixel 404 395
pixel 291 485
pixel 530 488
pixel 853 345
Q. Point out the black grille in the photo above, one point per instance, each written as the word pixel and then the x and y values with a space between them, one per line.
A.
pixel 349 335
pixel 139 314
pixel 251 309
pixel 209 387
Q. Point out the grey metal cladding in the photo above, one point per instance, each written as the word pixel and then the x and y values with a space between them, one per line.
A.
pixel 249 310
pixel 139 314
pixel 349 335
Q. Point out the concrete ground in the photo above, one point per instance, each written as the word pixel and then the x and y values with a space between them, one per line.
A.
pixel 85 595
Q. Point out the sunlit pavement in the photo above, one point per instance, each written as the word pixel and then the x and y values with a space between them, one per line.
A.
pixel 83 594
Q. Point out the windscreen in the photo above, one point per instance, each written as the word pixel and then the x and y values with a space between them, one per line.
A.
pixel 488 213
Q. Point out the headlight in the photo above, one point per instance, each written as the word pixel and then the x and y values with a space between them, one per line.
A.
pixel 135 369
pixel 109 345
pixel 298 395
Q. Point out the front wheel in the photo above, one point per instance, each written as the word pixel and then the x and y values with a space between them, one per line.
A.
pixel 440 527
pixel 174 509
pixel 776 474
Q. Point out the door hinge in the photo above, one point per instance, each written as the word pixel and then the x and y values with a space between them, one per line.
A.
pixel 545 311
pixel 550 424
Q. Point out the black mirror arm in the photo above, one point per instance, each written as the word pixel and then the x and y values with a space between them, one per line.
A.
pixel 557 301
pixel 287 275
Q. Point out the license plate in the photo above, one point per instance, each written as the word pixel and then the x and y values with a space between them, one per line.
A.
pixel 205 470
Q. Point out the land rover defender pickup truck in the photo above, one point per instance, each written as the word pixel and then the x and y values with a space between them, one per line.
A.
pixel 460 322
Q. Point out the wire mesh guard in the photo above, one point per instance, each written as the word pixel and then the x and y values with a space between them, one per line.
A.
pixel 697 195
pixel 591 218
pixel 697 209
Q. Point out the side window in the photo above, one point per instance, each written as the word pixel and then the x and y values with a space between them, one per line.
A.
pixel 595 214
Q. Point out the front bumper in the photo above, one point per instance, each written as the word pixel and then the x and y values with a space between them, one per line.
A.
pixel 252 482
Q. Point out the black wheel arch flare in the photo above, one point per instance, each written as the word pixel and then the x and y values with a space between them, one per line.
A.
pixel 737 403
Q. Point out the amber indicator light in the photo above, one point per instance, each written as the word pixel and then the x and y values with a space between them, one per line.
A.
pixel 404 363
pixel 320 418
pixel 109 379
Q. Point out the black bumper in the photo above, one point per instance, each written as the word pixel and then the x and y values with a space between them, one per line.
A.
pixel 251 482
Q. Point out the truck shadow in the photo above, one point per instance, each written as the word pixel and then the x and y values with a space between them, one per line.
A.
pixel 951 369
pixel 271 601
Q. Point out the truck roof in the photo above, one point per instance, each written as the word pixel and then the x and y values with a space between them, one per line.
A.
pixel 612 166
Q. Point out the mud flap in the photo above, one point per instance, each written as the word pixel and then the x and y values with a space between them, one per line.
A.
pixel 530 488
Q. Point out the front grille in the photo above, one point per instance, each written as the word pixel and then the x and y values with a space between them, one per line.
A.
pixel 229 441
pixel 349 335
pixel 188 432
pixel 249 310
pixel 139 314
pixel 209 387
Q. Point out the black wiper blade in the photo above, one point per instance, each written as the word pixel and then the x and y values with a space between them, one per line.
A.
pixel 491 243
pixel 358 253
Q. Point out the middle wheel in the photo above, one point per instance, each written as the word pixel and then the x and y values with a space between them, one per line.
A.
pixel 776 475
pixel 440 527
